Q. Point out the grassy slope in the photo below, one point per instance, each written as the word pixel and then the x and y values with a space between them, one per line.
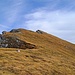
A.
pixel 53 56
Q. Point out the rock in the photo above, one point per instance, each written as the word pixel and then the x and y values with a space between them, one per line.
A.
pixel 4 32
pixel 39 31
pixel 1 37
pixel 14 42
pixel 6 45
pixel 15 30
pixel 18 50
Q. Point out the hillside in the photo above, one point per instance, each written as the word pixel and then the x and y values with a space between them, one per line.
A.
pixel 42 54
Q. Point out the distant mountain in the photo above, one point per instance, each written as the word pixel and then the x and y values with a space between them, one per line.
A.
pixel 40 54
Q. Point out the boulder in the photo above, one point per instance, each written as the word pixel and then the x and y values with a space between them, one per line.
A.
pixel 15 30
pixel 4 32
pixel 39 31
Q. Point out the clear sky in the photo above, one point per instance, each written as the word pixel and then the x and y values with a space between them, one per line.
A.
pixel 56 17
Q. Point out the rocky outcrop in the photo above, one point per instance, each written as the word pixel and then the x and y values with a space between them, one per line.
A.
pixel 15 30
pixel 39 31
pixel 4 32
pixel 14 42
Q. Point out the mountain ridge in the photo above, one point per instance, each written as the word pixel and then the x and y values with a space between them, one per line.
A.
pixel 52 55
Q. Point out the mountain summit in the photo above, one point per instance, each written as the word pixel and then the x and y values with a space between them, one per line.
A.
pixel 40 54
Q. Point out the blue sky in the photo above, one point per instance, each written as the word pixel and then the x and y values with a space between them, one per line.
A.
pixel 56 17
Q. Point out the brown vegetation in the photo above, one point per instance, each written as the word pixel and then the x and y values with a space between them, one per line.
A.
pixel 53 56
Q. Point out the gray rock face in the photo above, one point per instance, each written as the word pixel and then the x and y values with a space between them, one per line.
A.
pixel 0 36
pixel 14 42
pixel 4 32
pixel 15 30
pixel 39 31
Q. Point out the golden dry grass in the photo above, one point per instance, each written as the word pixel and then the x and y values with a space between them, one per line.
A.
pixel 53 56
